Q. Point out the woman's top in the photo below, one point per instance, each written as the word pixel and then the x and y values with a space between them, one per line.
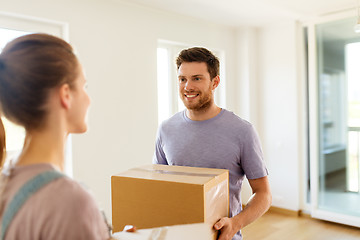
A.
pixel 62 209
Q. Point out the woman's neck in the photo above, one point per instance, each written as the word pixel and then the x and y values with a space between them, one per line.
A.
pixel 43 147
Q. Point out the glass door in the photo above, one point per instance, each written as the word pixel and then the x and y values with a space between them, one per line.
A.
pixel 335 128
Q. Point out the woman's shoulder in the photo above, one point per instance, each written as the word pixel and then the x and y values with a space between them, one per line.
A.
pixel 75 209
pixel 62 207
pixel 64 192
pixel 71 194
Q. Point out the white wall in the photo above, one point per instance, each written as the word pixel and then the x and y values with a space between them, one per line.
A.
pixel 246 90
pixel 117 43
pixel 280 116
pixel 271 96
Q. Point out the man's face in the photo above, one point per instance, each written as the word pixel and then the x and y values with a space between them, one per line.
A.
pixel 195 85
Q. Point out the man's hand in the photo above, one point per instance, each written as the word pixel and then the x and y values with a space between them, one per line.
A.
pixel 226 227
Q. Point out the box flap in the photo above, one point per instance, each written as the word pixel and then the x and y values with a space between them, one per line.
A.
pixel 173 173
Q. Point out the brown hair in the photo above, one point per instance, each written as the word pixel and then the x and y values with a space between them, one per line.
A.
pixel 30 66
pixel 2 143
pixel 197 54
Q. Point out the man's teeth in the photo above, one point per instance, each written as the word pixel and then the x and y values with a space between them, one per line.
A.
pixel 191 95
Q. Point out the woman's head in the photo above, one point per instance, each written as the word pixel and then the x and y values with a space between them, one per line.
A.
pixel 30 66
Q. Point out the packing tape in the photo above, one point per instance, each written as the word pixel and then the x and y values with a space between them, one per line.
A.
pixel 175 172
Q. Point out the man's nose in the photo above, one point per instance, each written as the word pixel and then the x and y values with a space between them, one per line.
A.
pixel 189 86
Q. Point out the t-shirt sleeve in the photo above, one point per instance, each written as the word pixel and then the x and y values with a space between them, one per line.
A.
pixel 252 160
pixel 159 155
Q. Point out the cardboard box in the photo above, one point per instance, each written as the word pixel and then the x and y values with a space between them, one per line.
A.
pixel 196 231
pixel 161 195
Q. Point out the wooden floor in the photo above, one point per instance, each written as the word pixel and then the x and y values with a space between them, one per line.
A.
pixel 279 226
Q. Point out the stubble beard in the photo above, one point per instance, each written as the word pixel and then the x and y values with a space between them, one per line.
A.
pixel 203 103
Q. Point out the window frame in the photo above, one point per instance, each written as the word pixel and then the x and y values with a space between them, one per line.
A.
pixel 313 121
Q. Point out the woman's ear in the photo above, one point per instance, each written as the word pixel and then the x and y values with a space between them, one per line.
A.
pixel 65 96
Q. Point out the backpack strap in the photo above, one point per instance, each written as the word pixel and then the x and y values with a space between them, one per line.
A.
pixel 23 194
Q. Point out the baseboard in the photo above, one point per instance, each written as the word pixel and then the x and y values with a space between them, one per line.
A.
pixel 287 212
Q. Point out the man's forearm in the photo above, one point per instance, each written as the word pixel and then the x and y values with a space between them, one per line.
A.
pixel 258 204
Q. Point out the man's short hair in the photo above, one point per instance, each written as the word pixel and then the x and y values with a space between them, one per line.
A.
pixel 198 54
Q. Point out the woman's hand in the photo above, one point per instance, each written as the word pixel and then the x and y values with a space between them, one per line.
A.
pixel 129 228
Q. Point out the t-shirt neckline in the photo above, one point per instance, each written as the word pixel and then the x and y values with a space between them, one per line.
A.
pixel 187 119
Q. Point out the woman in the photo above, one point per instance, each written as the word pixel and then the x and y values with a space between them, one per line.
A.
pixel 42 88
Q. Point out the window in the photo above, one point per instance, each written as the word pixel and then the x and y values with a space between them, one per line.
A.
pixel 169 101
pixel 12 26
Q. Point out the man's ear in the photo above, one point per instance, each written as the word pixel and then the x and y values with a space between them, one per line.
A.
pixel 216 81
pixel 65 96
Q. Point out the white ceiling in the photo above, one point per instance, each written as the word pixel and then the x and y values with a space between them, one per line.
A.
pixel 250 12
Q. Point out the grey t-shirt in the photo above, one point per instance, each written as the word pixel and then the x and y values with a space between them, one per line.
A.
pixel 62 209
pixel 225 141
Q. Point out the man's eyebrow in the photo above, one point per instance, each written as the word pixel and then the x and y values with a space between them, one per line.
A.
pixel 196 75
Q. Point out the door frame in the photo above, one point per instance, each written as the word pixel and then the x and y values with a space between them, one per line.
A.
pixel 314 121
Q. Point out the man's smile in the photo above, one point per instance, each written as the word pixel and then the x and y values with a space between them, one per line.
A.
pixel 191 95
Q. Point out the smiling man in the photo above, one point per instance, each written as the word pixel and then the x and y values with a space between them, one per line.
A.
pixel 205 135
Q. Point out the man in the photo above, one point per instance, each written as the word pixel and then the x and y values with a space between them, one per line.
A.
pixel 204 135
